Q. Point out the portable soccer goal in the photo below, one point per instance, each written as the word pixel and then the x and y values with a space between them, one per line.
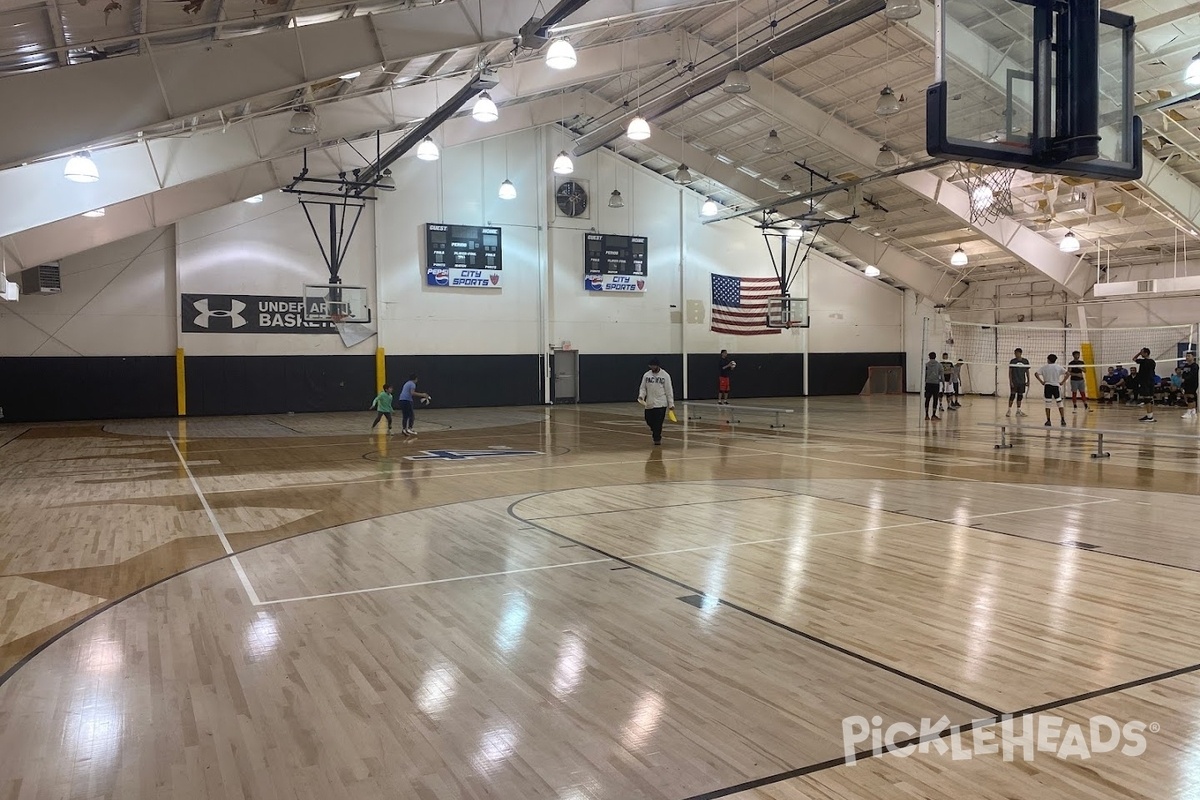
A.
pixel 884 380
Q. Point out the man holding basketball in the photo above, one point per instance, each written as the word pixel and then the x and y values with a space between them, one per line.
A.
pixel 726 377
pixel 407 394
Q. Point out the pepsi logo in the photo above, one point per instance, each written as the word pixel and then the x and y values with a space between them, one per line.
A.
pixel 440 277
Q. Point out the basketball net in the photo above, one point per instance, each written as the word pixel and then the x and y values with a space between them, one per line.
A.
pixel 989 190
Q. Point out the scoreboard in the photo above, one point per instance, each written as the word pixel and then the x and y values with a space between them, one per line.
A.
pixel 461 247
pixel 607 254
pixel 463 256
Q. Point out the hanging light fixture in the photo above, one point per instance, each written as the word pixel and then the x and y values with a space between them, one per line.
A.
pixel 427 150
pixel 507 190
pixel 1192 74
pixel 349 76
pixel 959 257
pixel 561 55
pixel 871 271
pixel 796 232
pixel 982 197
pixel 902 9
pixel 485 109
pixel 95 212
pixel 710 208
pixel 773 145
pixel 683 175
pixel 887 158
pixel 304 122
pixel 737 81
pixel 81 169
pixel 887 104
pixel 615 200
pixel 639 129
pixel 254 199
pixel 386 182
pixel 563 165
pixel 786 185
pixel 1069 244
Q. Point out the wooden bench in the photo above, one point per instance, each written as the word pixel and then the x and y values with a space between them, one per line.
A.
pixel 1099 433
pixel 778 412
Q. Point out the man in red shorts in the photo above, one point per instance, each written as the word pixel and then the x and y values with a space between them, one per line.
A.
pixel 723 382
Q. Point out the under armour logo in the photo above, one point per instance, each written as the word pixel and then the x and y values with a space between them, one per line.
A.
pixel 203 314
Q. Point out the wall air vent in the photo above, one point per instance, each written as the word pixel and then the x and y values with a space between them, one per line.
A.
pixel 45 279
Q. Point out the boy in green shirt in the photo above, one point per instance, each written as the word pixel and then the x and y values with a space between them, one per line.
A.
pixel 383 404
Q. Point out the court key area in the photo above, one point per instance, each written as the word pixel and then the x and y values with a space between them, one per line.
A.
pixel 541 604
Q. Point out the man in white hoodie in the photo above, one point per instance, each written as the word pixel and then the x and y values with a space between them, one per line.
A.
pixel 657 395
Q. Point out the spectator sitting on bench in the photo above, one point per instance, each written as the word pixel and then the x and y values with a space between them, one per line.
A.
pixel 1129 387
pixel 1108 387
pixel 1173 388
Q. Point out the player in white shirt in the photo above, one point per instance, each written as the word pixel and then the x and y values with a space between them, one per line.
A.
pixel 657 396
pixel 1052 376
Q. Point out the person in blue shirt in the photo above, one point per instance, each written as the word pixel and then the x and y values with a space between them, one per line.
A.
pixel 407 416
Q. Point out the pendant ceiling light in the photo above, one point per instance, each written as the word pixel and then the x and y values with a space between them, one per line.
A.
pixel 615 200
pixel 349 76
pixel 683 175
pixel 773 144
pixel 959 257
pixel 507 190
pixel 485 109
pixel 563 165
pixel 81 169
pixel 304 122
pixel 386 182
pixel 95 212
pixel 888 104
pixel 796 232
pixel 427 150
pixel 1069 244
pixel 887 158
pixel 254 199
pixel 737 81
pixel 902 9
pixel 639 129
pixel 710 208
pixel 871 271
pixel 1192 74
pixel 561 55
pixel 786 185
pixel 982 197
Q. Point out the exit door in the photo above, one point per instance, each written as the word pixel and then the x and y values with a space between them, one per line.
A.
pixel 566 376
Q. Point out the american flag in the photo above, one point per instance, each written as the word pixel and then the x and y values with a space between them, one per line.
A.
pixel 739 305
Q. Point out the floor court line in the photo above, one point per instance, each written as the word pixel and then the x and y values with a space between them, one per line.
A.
pixel 212 518
pixel 1032 510
pixel 415 584
pixel 761 617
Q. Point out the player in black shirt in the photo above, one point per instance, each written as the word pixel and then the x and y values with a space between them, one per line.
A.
pixel 726 377
pixel 1189 370
pixel 1145 383
pixel 1078 382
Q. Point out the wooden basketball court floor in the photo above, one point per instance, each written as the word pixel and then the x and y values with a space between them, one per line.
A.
pixel 530 603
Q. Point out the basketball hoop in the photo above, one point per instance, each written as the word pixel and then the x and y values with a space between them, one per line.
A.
pixel 989 190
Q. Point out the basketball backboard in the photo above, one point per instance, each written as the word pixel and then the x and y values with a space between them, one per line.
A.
pixel 787 312
pixel 1037 85
pixel 335 303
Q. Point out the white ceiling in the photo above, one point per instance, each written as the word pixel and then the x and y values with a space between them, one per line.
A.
pixel 819 97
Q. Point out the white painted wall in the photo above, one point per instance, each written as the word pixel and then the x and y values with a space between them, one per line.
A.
pixel 268 249
pixel 117 300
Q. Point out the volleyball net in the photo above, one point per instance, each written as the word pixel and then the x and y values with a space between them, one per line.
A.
pixel 986 349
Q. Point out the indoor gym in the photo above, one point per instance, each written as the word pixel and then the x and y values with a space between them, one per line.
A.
pixel 219 581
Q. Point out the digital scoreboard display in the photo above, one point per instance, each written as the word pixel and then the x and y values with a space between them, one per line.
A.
pixel 608 254
pixel 461 247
